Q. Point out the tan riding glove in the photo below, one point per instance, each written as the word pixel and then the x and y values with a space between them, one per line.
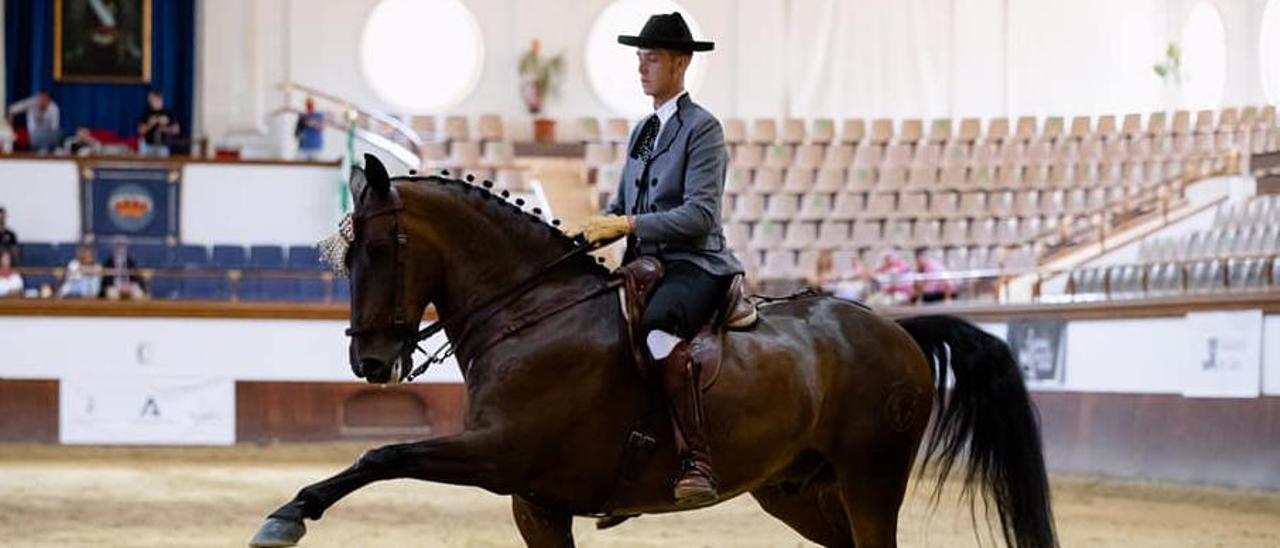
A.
pixel 607 227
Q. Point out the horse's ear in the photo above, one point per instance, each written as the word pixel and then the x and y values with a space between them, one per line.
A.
pixel 376 174
pixel 357 183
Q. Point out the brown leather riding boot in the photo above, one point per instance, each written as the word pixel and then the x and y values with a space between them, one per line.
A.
pixel 697 484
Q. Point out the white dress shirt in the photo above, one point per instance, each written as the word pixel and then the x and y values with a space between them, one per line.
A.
pixel 666 110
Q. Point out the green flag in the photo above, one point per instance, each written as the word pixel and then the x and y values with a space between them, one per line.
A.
pixel 344 171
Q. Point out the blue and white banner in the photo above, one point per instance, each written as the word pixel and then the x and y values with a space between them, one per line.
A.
pixel 1224 355
pixel 138 201
pixel 147 410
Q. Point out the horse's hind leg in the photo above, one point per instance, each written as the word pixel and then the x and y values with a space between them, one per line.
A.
pixel 872 485
pixel 540 527
pixel 814 511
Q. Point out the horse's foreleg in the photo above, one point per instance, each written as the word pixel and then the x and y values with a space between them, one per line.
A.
pixel 465 459
pixel 540 527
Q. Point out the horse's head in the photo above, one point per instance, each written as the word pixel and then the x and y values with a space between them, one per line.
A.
pixel 390 280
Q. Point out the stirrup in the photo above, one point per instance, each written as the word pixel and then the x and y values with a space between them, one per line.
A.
pixel 697 484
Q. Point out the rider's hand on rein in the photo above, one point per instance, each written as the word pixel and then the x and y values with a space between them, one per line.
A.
pixel 601 228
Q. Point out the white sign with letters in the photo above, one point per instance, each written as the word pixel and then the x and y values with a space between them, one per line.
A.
pixel 142 410
pixel 1224 354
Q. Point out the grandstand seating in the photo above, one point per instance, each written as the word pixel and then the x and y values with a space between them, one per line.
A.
pixel 1005 196
pixel 1239 253
pixel 263 273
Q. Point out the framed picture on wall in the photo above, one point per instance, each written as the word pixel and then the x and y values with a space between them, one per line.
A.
pixel 102 41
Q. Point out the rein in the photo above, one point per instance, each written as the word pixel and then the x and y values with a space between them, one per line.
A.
pixel 410 340
pixel 496 304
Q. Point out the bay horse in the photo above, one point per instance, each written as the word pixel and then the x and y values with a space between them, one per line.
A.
pixel 819 410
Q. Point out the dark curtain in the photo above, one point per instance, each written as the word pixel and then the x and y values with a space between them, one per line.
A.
pixel 28 50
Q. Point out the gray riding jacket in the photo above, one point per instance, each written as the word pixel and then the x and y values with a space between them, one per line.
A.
pixel 680 219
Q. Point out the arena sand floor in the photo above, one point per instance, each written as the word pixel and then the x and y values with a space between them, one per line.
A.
pixel 145 497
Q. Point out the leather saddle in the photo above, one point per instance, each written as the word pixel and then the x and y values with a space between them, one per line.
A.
pixel 641 276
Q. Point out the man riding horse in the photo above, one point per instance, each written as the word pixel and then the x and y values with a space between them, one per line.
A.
pixel 668 205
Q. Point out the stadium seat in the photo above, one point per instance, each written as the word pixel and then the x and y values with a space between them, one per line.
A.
pixel 38 254
pixel 778 156
pixel 767 179
pixel 800 235
pixel 781 207
pixel 837 156
pixel 229 256
pixel 749 207
pixel 341 291
pixel 206 287
pixel 823 131
pixel 311 289
pixel 738 181
pixel 189 257
pixel 163 287
pixel 149 255
pixel 767 235
pixel 808 156
pixel 853 131
pixel 588 130
pixel 66 251
pixel 798 180
pixel 832 235
pixel 266 257
pixel 778 265
pixel 737 235
pixel 828 179
pixel 305 257
pixel 748 155
pixel 764 131
pixel 814 207
pixel 268 288
pixel 489 127
pixel 848 206
pixel 456 128
pixel 735 131
pixel 793 131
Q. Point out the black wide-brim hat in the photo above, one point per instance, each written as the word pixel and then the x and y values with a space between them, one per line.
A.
pixel 666 31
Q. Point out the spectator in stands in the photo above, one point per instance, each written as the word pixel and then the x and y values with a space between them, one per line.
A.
pixel 8 240
pixel 82 143
pixel 850 285
pixel 43 121
pixel 84 276
pixel 158 127
pixel 893 275
pixel 120 279
pixel 10 280
pixel 310 132
pixel 932 288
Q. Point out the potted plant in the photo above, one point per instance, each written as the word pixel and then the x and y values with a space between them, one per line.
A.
pixel 540 78
pixel 1171 69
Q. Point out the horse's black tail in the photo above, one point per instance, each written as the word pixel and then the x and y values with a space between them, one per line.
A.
pixel 988 411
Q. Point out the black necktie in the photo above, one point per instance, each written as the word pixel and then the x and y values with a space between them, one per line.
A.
pixel 643 150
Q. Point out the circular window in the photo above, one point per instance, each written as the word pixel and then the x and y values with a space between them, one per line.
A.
pixel 611 67
pixel 1269 51
pixel 1204 54
pixel 422 55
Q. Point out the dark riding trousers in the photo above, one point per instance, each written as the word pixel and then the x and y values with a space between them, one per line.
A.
pixel 684 300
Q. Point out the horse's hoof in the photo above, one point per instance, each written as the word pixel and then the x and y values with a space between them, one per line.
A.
pixel 609 522
pixel 276 532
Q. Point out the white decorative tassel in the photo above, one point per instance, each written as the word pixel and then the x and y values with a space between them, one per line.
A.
pixel 333 250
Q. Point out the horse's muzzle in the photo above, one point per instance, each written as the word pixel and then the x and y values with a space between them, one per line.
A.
pixel 377 371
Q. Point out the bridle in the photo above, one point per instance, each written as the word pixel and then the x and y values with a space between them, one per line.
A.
pixel 410 337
